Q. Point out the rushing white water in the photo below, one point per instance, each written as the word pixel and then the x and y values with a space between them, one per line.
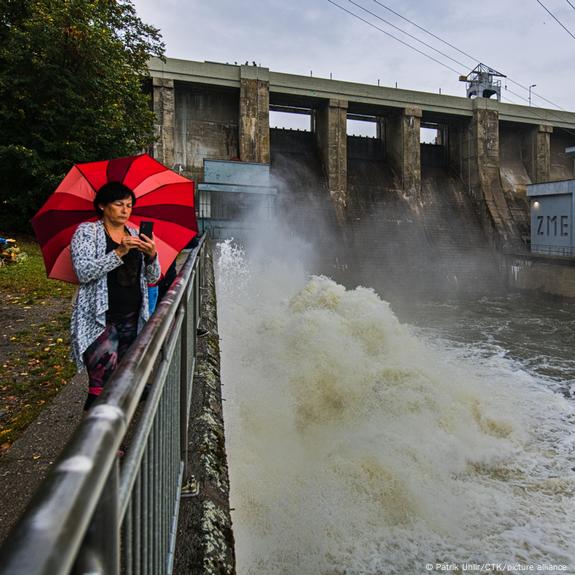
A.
pixel 356 446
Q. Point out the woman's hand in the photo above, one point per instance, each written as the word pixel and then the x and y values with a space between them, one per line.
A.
pixel 143 243
pixel 127 243
pixel 147 246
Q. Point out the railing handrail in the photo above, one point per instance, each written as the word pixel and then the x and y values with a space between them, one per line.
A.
pixel 47 538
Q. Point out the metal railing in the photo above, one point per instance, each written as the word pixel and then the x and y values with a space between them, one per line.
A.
pixel 97 512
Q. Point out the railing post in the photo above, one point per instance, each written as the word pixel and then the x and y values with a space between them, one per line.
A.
pixel 184 383
pixel 100 552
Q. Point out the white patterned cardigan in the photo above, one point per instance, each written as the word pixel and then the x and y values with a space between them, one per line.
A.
pixel 91 264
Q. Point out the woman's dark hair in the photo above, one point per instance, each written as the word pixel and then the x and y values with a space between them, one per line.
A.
pixel 111 192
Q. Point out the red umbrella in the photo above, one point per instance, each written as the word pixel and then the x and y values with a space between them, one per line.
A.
pixel 162 196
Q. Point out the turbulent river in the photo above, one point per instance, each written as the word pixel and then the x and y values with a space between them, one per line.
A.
pixel 360 443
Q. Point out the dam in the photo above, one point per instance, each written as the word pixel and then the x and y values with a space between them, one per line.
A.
pixel 392 404
pixel 452 210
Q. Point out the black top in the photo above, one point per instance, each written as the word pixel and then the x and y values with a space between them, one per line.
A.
pixel 124 293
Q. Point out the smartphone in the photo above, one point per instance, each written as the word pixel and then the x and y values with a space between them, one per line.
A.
pixel 146 228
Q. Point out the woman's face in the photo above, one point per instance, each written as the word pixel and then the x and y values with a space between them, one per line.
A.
pixel 117 213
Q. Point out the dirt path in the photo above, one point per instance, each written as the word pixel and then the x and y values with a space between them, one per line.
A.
pixel 26 463
pixel 34 359
pixel 40 399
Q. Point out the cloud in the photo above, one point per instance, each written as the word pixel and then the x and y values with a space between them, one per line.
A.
pixel 515 37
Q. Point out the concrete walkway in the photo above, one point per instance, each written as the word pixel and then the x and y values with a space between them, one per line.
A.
pixel 26 463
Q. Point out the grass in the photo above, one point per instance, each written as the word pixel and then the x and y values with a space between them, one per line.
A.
pixel 35 349
pixel 27 279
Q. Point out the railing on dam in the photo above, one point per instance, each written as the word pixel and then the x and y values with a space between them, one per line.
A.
pixel 98 512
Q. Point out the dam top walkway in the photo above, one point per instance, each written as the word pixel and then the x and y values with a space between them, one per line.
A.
pixel 306 91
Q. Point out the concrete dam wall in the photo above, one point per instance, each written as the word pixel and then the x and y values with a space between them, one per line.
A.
pixel 387 211
pixel 430 241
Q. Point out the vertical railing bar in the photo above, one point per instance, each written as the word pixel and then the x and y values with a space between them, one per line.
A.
pixel 175 434
pixel 173 403
pixel 158 495
pixel 180 472
pixel 183 383
pixel 144 518
pixel 160 525
pixel 163 418
pixel 150 497
pixel 159 518
pixel 146 511
pixel 168 460
pixel 128 540
pixel 173 438
pixel 174 522
pixel 176 438
pixel 153 519
pixel 129 529
pixel 192 306
pixel 138 523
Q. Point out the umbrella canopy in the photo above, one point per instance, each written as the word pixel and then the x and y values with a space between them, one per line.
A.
pixel 162 196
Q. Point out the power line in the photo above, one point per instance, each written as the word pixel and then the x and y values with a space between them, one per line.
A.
pixel 509 79
pixel 426 31
pixel 533 110
pixel 407 33
pixel 539 115
pixel 394 37
pixel 556 19
pixel 570 4
pixel 462 52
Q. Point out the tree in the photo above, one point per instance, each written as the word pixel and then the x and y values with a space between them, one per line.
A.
pixel 72 78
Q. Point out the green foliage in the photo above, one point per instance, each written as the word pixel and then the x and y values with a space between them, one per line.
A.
pixel 72 77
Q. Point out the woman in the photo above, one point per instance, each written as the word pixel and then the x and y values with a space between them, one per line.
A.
pixel 114 267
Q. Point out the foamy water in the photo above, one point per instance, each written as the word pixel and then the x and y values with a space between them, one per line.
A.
pixel 358 447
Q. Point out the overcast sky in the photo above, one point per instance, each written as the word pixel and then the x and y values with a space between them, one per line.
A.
pixel 516 37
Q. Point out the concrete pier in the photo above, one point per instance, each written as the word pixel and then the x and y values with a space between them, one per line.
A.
pixel 164 108
pixel 331 138
pixel 254 123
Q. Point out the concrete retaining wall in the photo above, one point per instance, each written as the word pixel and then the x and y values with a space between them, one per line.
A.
pixel 552 276
pixel 205 540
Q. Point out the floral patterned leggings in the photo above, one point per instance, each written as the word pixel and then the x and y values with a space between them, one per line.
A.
pixel 104 354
